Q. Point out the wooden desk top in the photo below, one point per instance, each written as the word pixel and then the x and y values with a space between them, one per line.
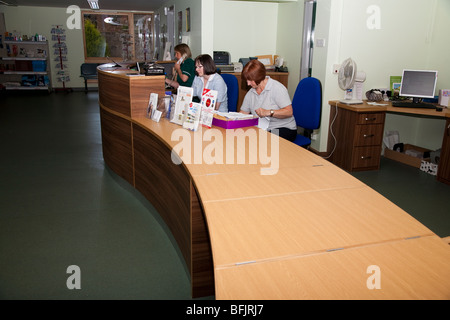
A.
pixel 245 185
pixel 290 157
pixel 387 106
pixel 279 226
pixel 409 269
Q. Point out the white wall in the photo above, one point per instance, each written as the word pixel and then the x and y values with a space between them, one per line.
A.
pixel 32 20
pixel 245 28
pixel 412 34
pixel 289 39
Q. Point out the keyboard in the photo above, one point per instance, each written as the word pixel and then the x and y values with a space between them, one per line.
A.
pixel 421 105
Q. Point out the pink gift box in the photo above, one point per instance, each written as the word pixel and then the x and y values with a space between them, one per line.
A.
pixel 234 124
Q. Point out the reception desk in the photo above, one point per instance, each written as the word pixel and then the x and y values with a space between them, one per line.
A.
pixel 277 223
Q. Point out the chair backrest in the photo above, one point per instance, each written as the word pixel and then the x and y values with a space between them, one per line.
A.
pixel 307 103
pixel 89 69
pixel 232 91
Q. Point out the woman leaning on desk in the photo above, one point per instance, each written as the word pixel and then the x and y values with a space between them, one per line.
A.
pixel 184 67
pixel 207 78
pixel 270 99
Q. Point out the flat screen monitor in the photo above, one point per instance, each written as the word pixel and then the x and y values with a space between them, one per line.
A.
pixel 418 84
pixel 138 66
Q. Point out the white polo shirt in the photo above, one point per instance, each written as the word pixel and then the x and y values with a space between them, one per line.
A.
pixel 274 97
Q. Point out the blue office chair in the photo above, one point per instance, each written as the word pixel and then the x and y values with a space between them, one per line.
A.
pixel 232 91
pixel 307 107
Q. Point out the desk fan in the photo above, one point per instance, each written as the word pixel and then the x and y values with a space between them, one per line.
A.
pixel 351 81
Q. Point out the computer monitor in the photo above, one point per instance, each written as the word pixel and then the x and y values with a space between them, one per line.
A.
pixel 138 66
pixel 418 84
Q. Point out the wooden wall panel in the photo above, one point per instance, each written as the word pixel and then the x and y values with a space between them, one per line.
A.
pixel 140 157
pixel 202 264
pixel 344 137
pixel 140 90
pixel 169 188
pixel 114 92
pixel 165 185
pixel 117 144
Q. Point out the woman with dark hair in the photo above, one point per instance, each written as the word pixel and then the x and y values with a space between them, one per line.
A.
pixel 270 99
pixel 207 78
pixel 184 67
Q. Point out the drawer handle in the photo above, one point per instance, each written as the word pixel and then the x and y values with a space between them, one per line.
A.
pixel 370 119
pixel 366 157
pixel 369 135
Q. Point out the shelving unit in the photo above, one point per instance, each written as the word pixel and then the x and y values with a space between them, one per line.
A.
pixel 26 66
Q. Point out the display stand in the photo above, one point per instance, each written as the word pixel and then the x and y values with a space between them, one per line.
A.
pixel 60 51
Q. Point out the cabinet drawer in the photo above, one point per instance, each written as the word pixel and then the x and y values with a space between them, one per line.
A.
pixel 368 135
pixel 369 118
pixel 366 157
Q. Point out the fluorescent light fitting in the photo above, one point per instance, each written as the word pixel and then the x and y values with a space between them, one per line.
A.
pixel 93 4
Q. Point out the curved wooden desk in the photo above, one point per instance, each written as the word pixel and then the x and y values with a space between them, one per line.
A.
pixel 294 227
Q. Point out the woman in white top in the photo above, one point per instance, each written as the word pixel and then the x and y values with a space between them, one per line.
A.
pixel 268 99
pixel 207 78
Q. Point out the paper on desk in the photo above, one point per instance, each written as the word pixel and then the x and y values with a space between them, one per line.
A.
pixel 263 123
pixel 265 61
pixel 234 115
pixel 377 104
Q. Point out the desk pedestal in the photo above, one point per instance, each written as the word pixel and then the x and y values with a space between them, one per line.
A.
pixel 444 162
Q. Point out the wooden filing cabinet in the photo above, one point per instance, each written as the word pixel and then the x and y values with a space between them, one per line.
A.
pixel 359 135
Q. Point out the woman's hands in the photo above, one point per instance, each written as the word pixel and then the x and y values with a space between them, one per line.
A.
pixel 177 70
pixel 282 113
pixel 262 112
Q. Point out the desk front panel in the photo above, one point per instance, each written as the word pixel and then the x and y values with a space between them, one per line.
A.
pixel 117 144
pixel 169 188
pixel 114 92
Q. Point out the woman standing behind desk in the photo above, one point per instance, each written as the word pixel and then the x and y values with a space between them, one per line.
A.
pixel 208 79
pixel 184 68
pixel 270 99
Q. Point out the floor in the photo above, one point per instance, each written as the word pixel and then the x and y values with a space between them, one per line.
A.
pixel 413 190
pixel 60 207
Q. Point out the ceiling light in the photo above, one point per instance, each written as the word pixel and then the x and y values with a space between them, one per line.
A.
pixel 93 4
pixel 110 20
